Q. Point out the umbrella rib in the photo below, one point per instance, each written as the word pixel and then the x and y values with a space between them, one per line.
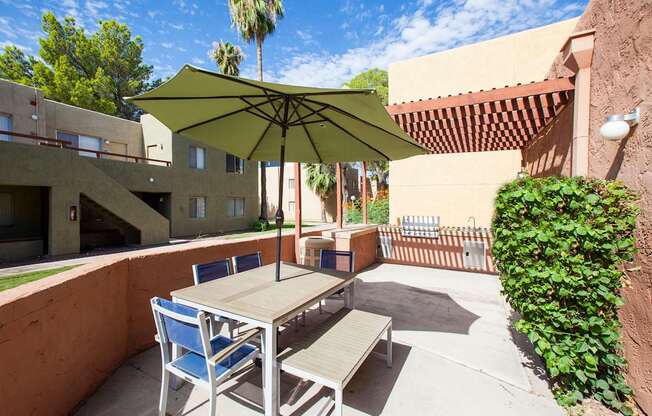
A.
pixel 339 110
pixel 297 121
pixel 260 139
pixel 267 116
pixel 314 148
pixel 201 123
pixel 213 97
pixel 351 134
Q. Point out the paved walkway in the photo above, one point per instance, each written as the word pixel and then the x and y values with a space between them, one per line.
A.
pixel 454 354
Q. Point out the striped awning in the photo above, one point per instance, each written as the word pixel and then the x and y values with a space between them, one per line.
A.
pixel 499 119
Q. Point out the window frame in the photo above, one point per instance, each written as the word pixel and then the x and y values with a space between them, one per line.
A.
pixel 84 153
pixel 9 117
pixel 196 210
pixel 231 206
pixel 239 167
pixel 190 157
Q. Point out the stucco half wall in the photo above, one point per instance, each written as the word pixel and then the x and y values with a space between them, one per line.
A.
pixel 452 186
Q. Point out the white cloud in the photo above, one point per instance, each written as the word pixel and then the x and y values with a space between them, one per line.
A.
pixel 167 45
pixel 198 61
pixel 177 26
pixel 429 28
pixel 94 8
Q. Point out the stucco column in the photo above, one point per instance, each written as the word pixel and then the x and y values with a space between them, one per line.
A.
pixel 577 55
pixel 63 234
pixel 338 194
pixel 365 218
pixel 297 210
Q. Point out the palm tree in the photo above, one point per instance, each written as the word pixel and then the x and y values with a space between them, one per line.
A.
pixel 320 178
pixel 380 172
pixel 255 20
pixel 228 57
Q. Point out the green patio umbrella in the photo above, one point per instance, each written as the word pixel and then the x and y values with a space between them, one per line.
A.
pixel 264 121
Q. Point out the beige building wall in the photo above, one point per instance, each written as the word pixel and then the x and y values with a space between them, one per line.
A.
pixel 458 186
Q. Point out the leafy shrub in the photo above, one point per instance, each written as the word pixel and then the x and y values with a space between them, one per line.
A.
pixel 377 210
pixel 261 225
pixel 559 244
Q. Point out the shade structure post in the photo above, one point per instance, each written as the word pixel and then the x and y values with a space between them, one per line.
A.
pixel 338 194
pixel 365 218
pixel 297 209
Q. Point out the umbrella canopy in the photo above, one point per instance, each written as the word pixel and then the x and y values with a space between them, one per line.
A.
pixel 266 121
pixel 247 118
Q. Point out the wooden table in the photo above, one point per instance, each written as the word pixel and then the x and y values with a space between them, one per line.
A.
pixel 255 298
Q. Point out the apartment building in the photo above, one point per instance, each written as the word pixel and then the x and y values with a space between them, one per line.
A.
pixel 73 179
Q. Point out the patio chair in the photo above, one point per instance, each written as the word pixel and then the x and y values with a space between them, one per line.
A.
pixel 336 260
pixel 202 273
pixel 247 262
pixel 208 361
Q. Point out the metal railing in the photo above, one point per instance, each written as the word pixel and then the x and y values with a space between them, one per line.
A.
pixel 64 144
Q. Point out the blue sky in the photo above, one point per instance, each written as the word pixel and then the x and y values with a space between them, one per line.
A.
pixel 319 42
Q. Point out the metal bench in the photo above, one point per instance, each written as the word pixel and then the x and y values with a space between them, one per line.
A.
pixel 420 226
pixel 332 353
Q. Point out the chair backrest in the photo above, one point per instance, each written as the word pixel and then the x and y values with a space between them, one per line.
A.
pixel 211 271
pixel 247 262
pixel 337 259
pixel 181 325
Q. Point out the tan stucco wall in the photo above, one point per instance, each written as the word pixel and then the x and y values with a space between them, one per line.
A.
pixel 621 79
pixel 452 186
pixel 457 186
pixel 507 60
pixel 116 131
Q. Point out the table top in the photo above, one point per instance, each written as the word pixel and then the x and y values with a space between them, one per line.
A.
pixel 255 294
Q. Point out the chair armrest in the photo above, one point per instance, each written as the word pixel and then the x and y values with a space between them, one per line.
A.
pixel 237 343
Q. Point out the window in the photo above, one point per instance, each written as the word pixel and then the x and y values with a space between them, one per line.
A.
pixel 272 164
pixel 198 207
pixel 235 207
pixel 6 125
pixel 197 157
pixel 83 142
pixel 291 183
pixel 234 164
pixel 6 209
pixel 291 206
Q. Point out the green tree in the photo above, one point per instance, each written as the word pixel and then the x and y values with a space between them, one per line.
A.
pixel 93 71
pixel 14 65
pixel 320 178
pixel 255 20
pixel 228 57
pixel 375 79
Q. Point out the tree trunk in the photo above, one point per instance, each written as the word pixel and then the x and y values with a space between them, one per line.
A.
pixel 263 167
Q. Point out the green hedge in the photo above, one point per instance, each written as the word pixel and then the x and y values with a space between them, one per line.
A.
pixel 377 210
pixel 559 245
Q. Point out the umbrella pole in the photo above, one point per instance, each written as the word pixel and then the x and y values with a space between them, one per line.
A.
pixel 279 210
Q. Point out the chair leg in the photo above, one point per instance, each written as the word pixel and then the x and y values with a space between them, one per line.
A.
pixel 320 311
pixel 296 323
pixel 163 400
pixel 337 411
pixel 389 346
pixel 303 316
pixel 212 402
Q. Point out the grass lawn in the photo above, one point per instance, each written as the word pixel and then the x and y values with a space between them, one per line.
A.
pixel 11 281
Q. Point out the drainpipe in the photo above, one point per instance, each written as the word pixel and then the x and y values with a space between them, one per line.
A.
pixel 577 55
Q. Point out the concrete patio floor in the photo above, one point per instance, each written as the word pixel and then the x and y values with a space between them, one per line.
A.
pixel 454 354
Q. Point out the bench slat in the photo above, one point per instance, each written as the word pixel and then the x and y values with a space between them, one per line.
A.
pixel 336 348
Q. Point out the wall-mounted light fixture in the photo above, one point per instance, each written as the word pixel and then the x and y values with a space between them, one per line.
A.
pixel 617 126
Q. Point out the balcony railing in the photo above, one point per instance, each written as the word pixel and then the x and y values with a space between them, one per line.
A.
pixel 64 144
